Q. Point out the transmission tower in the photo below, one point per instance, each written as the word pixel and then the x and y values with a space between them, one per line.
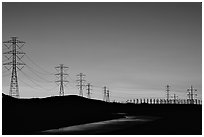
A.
pixel 14 46
pixel 167 92
pixel 175 98
pixel 89 90
pixel 81 83
pixel 61 75
pixel 108 96
pixel 104 93
pixel 191 94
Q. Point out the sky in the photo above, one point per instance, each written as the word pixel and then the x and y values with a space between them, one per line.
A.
pixel 135 49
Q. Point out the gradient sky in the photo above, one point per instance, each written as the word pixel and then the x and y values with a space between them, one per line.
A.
pixel 135 49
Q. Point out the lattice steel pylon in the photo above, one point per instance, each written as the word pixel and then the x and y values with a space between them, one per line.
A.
pixel 191 94
pixel 167 93
pixel 175 98
pixel 81 83
pixel 89 90
pixel 16 57
pixel 108 96
pixel 61 68
pixel 104 93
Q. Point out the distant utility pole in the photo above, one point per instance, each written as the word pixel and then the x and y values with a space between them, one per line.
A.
pixel 108 96
pixel 191 94
pixel 104 93
pixel 16 56
pixel 61 69
pixel 89 90
pixel 167 92
pixel 81 83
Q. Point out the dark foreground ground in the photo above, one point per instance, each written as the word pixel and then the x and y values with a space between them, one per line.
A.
pixel 32 116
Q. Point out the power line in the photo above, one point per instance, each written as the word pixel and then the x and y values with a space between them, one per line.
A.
pixel 30 78
pixel 34 78
pixel 96 86
pixel 47 73
pixel 35 87
pixel 27 84
pixel 38 75
pixel 35 72
pixel 41 73
pixel 72 86
pixel 73 81
pixel 33 62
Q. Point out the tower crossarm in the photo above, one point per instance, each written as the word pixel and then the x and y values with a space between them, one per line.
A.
pixel 61 67
pixel 11 63
pixel 8 41
pixel 61 74
pixel 12 51
pixel 18 41
pixel 62 81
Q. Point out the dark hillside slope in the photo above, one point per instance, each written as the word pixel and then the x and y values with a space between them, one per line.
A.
pixel 30 116
pixel 24 116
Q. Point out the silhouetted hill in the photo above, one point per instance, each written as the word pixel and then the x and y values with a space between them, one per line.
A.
pixel 30 116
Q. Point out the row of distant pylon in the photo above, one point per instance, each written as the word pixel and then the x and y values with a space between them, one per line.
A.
pixel 191 95
pixel 61 80
pixel 164 101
